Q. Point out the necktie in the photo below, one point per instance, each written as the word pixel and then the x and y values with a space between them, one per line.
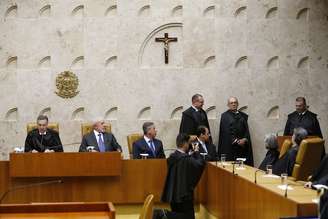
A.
pixel 204 147
pixel 152 147
pixel 101 144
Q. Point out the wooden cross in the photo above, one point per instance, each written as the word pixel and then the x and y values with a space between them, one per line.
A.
pixel 166 40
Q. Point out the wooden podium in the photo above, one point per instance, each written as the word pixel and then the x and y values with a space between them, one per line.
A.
pixel 75 210
pixel 65 164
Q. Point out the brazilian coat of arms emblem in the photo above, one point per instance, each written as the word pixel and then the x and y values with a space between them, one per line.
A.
pixel 67 83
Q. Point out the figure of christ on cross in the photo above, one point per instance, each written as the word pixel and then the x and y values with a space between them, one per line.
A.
pixel 166 40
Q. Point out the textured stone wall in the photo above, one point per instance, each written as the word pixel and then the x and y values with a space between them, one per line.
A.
pixel 264 52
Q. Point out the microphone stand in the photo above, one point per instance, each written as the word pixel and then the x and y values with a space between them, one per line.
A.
pixel 233 168
pixel 28 186
pixel 286 190
pixel 255 178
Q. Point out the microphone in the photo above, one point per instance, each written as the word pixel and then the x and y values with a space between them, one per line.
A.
pixel 42 140
pixel 286 190
pixel 28 186
pixel 233 168
pixel 53 147
pixel 255 179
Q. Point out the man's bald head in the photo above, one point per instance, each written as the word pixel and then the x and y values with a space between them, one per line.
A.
pixel 99 126
pixel 233 103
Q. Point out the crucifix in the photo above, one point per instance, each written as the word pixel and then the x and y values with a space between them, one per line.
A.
pixel 166 40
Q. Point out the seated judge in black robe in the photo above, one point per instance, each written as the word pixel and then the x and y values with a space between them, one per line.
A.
pixel 324 206
pixel 321 171
pixel 184 172
pixel 205 147
pixel 148 144
pixel 194 116
pixel 271 144
pixel 43 139
pixel 286 163
pixel 320 175
pixel 100 139
pixel 303 118
pixel 234 137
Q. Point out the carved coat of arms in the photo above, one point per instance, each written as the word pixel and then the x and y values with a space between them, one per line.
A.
pixel 67 83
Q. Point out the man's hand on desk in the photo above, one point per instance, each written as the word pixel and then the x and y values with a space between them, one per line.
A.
pixel 308 185
pixel 48 151
pixel 34 151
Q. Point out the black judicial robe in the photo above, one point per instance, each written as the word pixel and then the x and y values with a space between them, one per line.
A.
pixel 40 143
pixel 234 126
pixel 308 121
pixel 270 159
pixel 286 163
pixel 324 206
pixel 191 119
pixel 320 175
pixel 184 172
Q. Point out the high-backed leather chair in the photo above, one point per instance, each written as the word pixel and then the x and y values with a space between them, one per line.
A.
pixel 131 139
pixel 32 125
pixel 88 127
pixel 147 209
pixel 286 145
pixel 308 158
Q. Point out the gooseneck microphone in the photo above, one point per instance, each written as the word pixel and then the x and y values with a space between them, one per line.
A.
pixel 28 186
pixel 233 168
pixel 286 190
pixel 255 174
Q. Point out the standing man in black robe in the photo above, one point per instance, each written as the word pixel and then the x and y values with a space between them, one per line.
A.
pixel 234 137
pixel 43 139
pixel 184 172
pixel 194 116
pixel 304 118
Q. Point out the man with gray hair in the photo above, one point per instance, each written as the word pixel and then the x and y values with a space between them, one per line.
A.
pixel 148 144
pixel 234 137
pixel 43 139
pixel 101 140
pixel 286 163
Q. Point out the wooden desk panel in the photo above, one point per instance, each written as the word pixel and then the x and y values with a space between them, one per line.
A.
pixel 58 210
pixel 65 164
pixel 237 196
pixel 222 193
pixel 139 178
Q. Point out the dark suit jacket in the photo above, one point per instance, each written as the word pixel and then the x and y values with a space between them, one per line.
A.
pixel 91 140
pixel 190 121
pixel 141 147
pixel 211 151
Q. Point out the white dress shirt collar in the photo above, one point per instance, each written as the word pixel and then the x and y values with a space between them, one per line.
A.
pixel 147 139
pixel 194 108
pixel 203 144
pixel 302 113
pixel 96 133
pixel 181 151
